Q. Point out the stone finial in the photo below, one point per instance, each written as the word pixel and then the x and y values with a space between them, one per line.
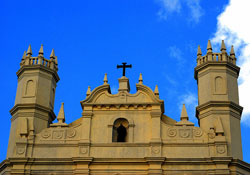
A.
pixel 24 55
pixel 29 51
pixel 184 115
pixel 140 79
pixel 61 115
pixel 219 128
pixel 199 51
pixel 232 53
pixel 223 46
pixel 105 80
pixel 52 55
pixel 88 91
pixel 156 91
pixel 41 50
pixel 209 46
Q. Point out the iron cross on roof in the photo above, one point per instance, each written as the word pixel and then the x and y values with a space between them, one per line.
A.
pixel 124 66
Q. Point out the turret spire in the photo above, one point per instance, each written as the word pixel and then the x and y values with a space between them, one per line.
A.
pixel 232 51
pixel 199 51
pixel 88 91
pixel 223 46
pixel 156 91
pixel 29 51
pixel 105 80
pixel 61 115
pixel 209 46
pixel 140 79
pixel 24 55
pixel 52 55
pixel 41 50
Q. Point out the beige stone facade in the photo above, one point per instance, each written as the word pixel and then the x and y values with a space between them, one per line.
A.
pixel 124 133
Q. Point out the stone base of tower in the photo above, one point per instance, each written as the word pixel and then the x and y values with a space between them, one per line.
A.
pixel 126 166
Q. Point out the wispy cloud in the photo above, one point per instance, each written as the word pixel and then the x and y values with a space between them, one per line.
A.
pixel 232 26
pixel 169 7
pixel 176 53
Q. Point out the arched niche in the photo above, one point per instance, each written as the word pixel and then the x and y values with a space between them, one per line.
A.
pixel 219 85
pixel 30 88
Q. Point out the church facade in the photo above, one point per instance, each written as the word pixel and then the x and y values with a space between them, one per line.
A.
pixel 124 133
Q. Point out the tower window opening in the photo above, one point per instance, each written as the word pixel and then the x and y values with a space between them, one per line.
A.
pixel 120 130
pixel 121 133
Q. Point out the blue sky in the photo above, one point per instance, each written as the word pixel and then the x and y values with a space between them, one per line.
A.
pixel 158 37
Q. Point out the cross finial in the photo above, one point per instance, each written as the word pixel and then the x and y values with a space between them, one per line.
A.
pixel 124 66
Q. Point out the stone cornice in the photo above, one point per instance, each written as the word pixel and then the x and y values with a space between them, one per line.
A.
pixel 33 106
pixel 241 164
pixel 41 67
pixel 218 104
pixel 212 63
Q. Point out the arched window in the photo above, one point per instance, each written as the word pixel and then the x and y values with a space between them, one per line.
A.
pixel 120 130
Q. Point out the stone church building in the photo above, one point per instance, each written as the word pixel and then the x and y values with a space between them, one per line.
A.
pixel 124 133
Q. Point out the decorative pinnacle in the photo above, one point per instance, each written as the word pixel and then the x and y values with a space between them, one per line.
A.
pixel 24 55
pixel 61 116
pixel 156 91
pixel 52 55
pixel 88 91
pixel 232 51
pixel 184 115
pixel 29 51
pixel 105 80
pixel 56 60
pixel 140 79
pixel 223 46
pixel 199 51
pixel 209 46
pixel 41 50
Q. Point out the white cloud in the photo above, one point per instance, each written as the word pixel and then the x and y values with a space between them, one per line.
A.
pixel 233 27
pixel 174 6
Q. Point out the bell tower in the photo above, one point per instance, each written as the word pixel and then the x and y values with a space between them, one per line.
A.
pixel 218 100
pixel 34 103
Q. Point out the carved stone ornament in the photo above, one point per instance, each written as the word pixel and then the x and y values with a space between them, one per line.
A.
pixel 83 150
pixel 184 133
pixel 71 133
pixel 20 150
pixel 46 134
pixel 155 150
pixel 211 134
pixel 58 134
pixel 172 132
pixel 220 149
pixel 197 132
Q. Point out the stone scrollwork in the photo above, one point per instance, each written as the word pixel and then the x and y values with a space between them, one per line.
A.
pixel 197 132
pixel 71 133
pixel 172 132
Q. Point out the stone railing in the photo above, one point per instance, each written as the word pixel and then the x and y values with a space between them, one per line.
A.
pixel 39 61
pixel 215 57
